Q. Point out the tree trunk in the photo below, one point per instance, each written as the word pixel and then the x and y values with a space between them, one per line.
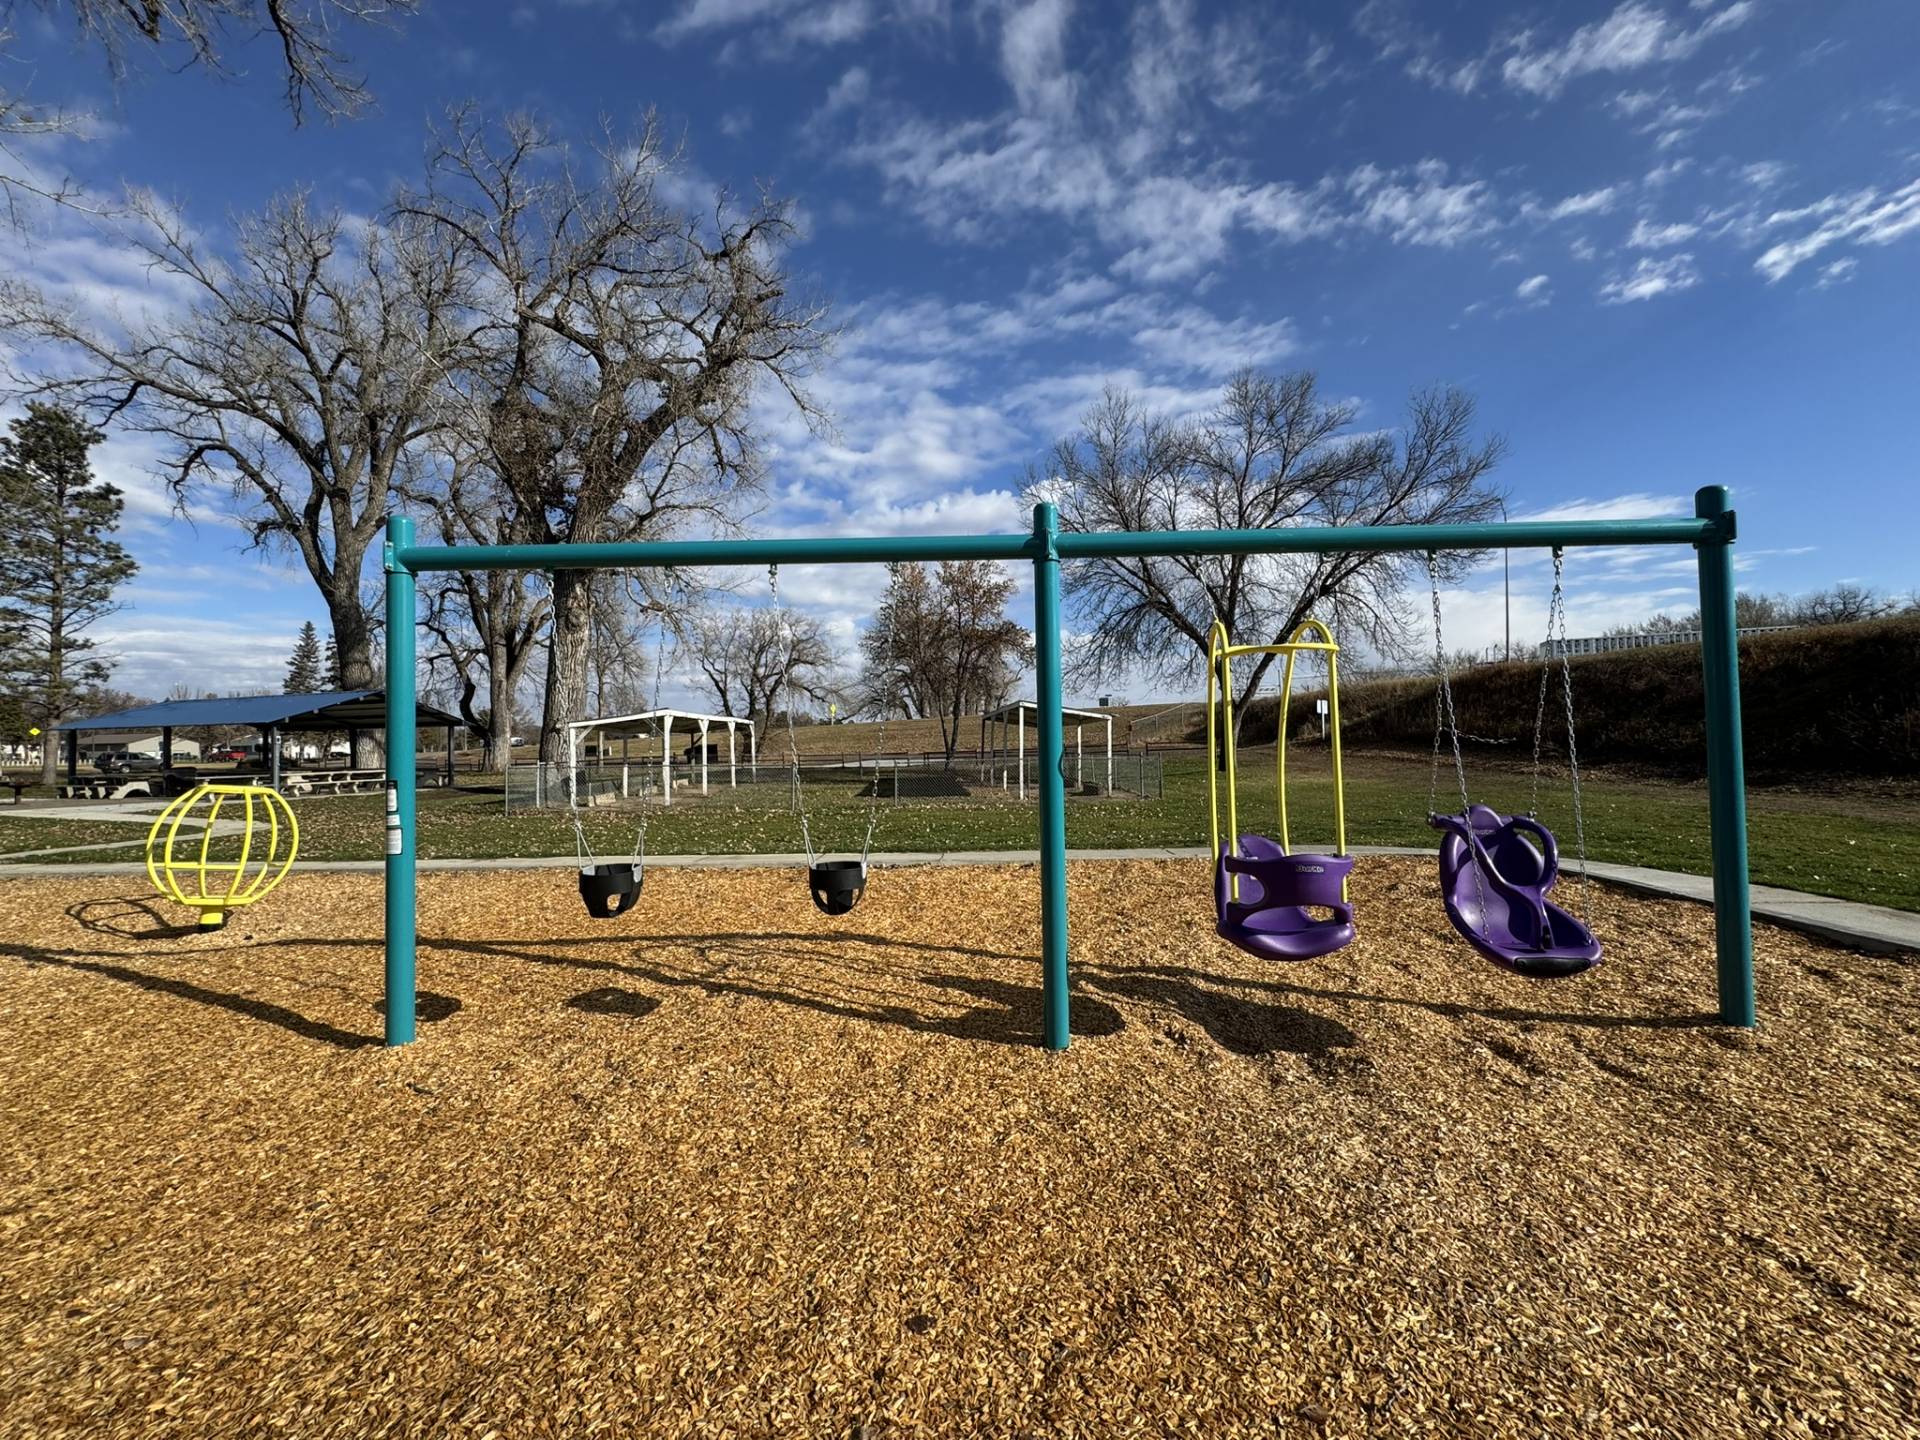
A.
pixel 950 729
pixel 566 697
pixel 500 688
pixel 56 662
pixel 353 641
pixel 50 739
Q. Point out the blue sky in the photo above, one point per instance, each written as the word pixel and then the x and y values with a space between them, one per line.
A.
pixel 1666 244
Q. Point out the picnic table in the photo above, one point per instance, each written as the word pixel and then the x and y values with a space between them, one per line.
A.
pixel 332 782
pixel 106 788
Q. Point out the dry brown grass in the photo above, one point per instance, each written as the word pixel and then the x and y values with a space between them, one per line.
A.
pixel 724 1168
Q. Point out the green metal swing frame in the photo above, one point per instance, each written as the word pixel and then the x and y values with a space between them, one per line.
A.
pixel 1711 531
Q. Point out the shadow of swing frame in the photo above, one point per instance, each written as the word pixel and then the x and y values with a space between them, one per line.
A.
pixel 1711 531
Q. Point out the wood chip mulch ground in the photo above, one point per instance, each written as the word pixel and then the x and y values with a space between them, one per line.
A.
pixel 727 1168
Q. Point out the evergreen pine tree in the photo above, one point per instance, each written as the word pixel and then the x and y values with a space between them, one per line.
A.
pixel 304 674
pixel 59 564
pixel 331 665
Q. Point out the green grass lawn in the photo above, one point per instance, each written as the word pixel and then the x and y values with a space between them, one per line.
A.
pixel 1849 843
pixel 18 834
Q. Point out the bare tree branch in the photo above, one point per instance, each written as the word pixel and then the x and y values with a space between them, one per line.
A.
pixel 1272 454
pixel 622 343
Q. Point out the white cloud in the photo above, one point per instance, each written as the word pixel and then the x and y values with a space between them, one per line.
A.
pixel 1421 206
pixel 1639 505
pixel 1053 404
pixel 1179 227
pixel 696 16
pixel 1646 236
pixel 1388 24
pixel 1176 66
pixel 1589 202
pixel 1635 35
pixel 852 88
pixel 1033 46
pixel 156 650
pixel 1651 278
pixel 1838 273
pixel 1192 339
pixel 778 28
pixel 1867 217
pixel 1121 170
pixel 1534 290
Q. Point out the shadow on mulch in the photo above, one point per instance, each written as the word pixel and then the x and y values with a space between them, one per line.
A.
pixel 1011 1014
pixel 1245 1027
pixel 1452 1009
pixel 428 1008
pixel 201 995
pixel 612 1000
pixel 131 917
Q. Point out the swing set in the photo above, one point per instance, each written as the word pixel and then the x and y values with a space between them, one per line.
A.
pixel 1495 870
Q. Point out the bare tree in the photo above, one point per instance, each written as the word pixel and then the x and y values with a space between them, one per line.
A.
pixel 624 343
pixel 298 379
pixel 183 33
pixel 758 660
pixel 486 625
pixel 625 622
pixel 1843 604
pixel 1272 454
pixel 943 644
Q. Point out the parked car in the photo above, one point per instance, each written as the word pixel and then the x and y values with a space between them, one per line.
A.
pixel 125 764
pixel 231 755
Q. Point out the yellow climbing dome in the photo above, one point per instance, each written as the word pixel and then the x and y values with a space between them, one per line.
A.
pixel 182 868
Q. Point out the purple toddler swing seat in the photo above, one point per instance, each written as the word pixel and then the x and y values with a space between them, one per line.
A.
pixel 1494 882
pixel 1273 921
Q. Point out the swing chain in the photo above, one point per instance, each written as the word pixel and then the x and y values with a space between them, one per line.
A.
pixel 880 744
pixel 793 739
pixel 1554 606
pixel 659 676
pixel 1443 712
pixel 1573 754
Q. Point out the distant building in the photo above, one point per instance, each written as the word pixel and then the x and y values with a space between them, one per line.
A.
pixel 1601 644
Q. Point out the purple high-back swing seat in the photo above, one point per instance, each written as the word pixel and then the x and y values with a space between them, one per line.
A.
pixel 1495 871
pixel 1270 919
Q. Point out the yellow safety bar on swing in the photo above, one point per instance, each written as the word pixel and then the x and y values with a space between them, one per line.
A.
pixel 1220 653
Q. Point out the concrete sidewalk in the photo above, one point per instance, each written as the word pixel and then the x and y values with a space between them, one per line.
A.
pixel 1844 922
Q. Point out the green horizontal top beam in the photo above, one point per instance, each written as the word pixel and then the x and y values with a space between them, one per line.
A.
pixel 661 554
pixel 877 549
pixel 1334 539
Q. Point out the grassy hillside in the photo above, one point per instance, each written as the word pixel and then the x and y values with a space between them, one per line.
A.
pixel 1841 699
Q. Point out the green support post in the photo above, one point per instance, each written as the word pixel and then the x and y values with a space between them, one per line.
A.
pixel 1056 1024
pixel 401 742
pixel 1726 760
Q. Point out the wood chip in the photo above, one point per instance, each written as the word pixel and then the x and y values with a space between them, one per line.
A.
pixel 726 1167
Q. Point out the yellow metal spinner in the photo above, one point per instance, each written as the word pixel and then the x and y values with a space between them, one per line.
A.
pixel 186 874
